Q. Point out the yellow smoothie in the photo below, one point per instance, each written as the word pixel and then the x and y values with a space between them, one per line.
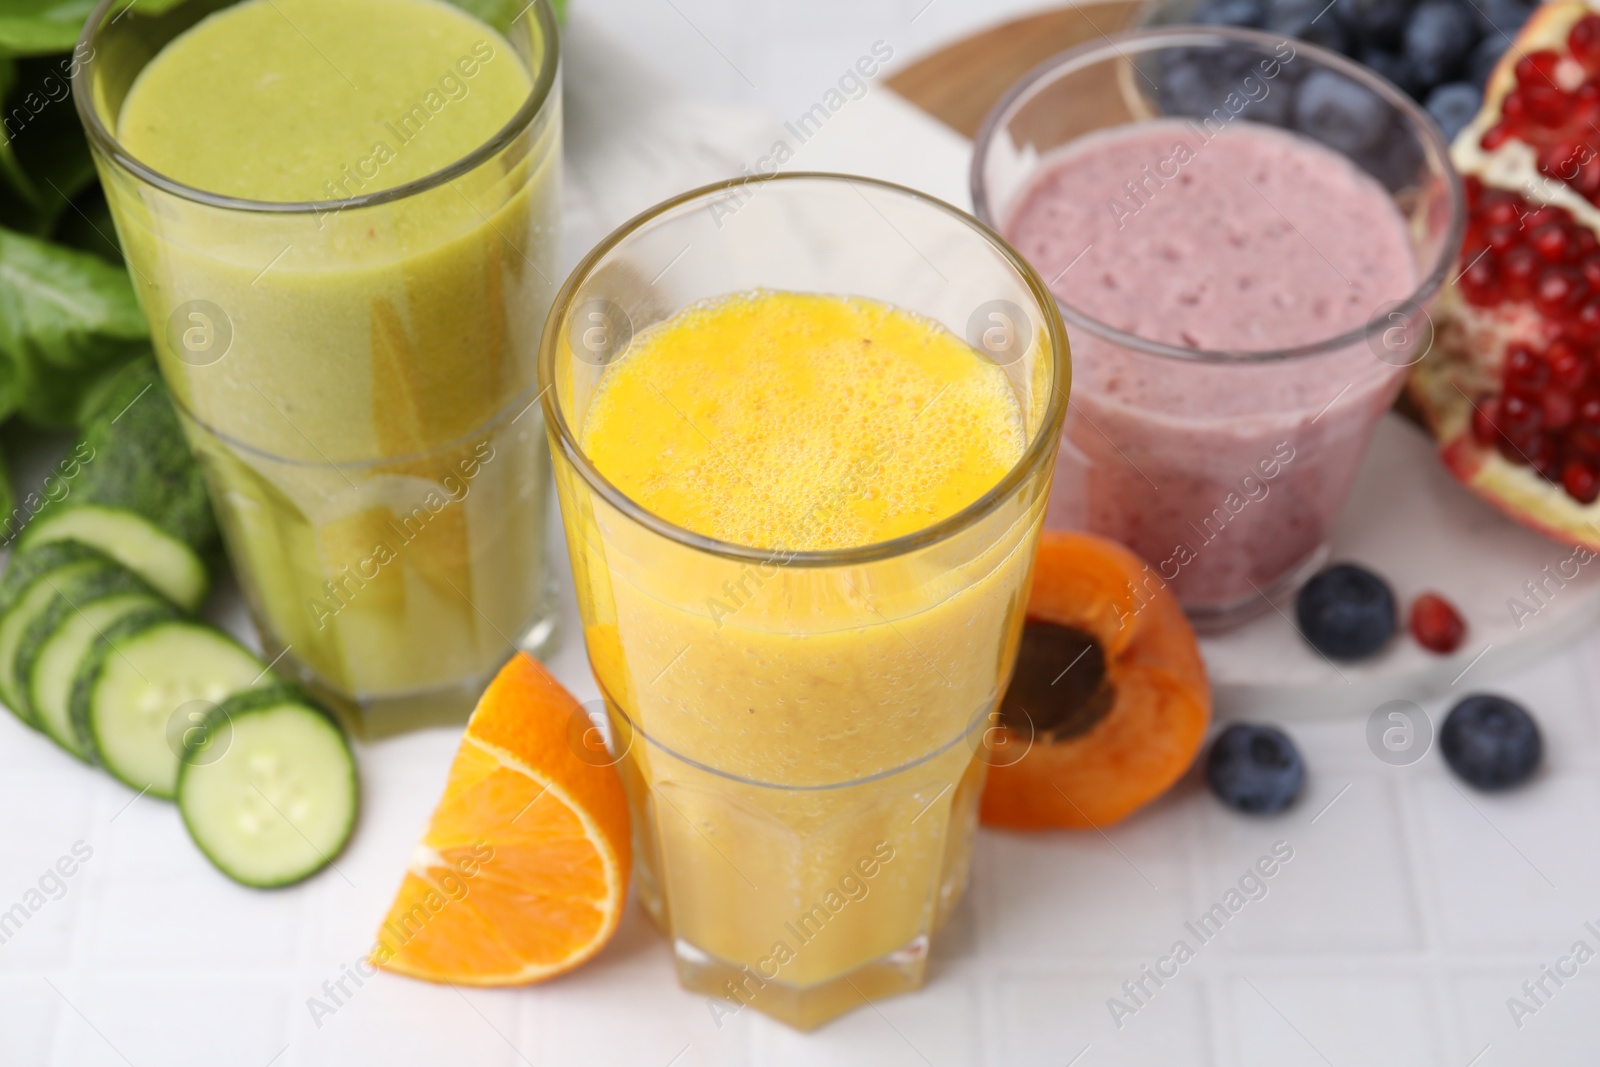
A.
pixel 802 744
pixel 355 374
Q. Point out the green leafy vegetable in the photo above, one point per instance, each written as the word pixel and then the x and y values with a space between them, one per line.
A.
pixel 39 27
pixel 65 316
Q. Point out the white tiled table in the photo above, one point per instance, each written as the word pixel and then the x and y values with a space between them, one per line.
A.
pixel 1410 911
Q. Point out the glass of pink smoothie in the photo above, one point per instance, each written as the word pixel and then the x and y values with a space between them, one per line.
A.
pixel 1245 234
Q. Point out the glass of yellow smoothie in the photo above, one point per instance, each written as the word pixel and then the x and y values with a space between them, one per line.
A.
pixel 804 429
pixel 341 217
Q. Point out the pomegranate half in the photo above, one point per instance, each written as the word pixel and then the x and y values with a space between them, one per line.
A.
pixel 1511 389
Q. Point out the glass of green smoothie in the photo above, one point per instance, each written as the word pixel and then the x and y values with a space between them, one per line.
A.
pixel 341 217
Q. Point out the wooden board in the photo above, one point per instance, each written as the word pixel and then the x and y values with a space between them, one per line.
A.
pixel 960 83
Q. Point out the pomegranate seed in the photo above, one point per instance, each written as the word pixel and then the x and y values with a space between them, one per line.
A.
pixel 1436 624
pixel 1585 443
pixel 1581 480
pixel 1472 185
pixel 1544 103
pixel 1589 266
pixel 1567 368
pixel 1538 67
pixel 1556 409
pixel 1479 282
pixel 1587 181
pixel 1500 207
pixel 1588 409
pixel 1525 372
pixel 1520 418
pixel 1585 322
pixel 1584 241
pixel 1519 267
pixel 1484 430
pixel 1533 449
pixel 1584 42
pixel 1505 236
pixel 1514 450
pixel 1559 290
pixel 1551 241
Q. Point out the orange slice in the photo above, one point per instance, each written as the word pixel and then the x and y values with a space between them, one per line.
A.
pixel 522 873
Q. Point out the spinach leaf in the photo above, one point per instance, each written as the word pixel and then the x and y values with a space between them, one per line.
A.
pixel 55 396
pixel 39 27
pixel 65 315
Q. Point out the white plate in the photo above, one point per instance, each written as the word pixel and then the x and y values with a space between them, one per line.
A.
pixel 1410 521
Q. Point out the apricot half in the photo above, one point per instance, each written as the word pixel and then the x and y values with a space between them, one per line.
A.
pixel 1109 700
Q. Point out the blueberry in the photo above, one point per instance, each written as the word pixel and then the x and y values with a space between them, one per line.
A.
pixel 1398 161
pixel 1453 105
pixel 1231 13
pixel 1197 81
pixel 1501 19
pixel 1392 66
pixel 1343 115
pixel 1346 612
pixel 1438 40
pixel 1310 20
pixel 1490 742
pixel 1255 769
pixel 1275 108
pixel 1187 88
pixel 1374 22
pixel 1481 63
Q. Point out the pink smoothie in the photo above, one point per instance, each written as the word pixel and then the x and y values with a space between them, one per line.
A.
pixel 1223 472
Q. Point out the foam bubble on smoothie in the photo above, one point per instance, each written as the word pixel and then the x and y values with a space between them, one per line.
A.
pixel 802 421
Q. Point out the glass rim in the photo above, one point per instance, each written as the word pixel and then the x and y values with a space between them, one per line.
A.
pixel 544 84
pixel 1149 38
pixel 1042 445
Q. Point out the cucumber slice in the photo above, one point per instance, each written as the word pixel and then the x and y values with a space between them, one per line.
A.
pixel 139 677
pixel 171 566
pixel 58 642
pixel 33 578
pixel 26 567
pixel 269 794
pixel 135 457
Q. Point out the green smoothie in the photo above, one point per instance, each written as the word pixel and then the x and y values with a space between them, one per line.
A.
pixel 356 374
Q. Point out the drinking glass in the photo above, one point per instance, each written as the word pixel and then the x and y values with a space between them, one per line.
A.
pixel 800 732
pixel 1224 469
pixel 357 377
